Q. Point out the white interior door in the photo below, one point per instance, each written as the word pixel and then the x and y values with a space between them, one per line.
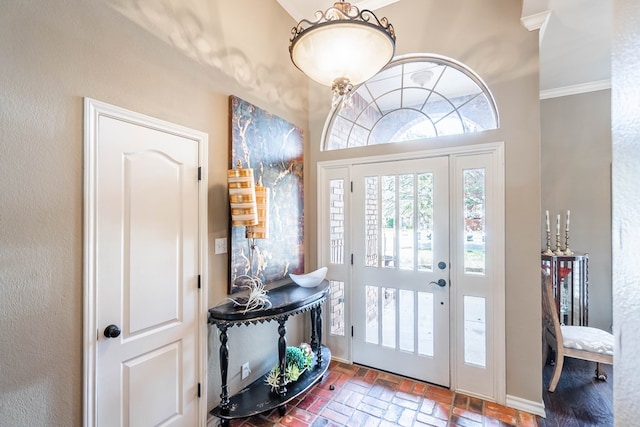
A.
pixel 144 253
pixel 400 222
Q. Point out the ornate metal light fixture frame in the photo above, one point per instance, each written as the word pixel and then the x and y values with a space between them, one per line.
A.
pixel 346 15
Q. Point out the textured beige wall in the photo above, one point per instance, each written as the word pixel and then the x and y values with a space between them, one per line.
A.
pixel 487 37
pixel 576 175
pixel 625 98
pixel 52 54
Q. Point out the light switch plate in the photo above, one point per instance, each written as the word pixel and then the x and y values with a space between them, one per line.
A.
pixel 245 370
pixel 220 246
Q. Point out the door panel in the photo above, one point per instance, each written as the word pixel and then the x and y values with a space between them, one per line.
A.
pixel 164 404
pixel 146 281
pixel 151 213
pixel 401 222
pixel 335 253
pixel 479 275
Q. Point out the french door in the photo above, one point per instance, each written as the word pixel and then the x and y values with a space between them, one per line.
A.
pixel 415 251
pixel 400 286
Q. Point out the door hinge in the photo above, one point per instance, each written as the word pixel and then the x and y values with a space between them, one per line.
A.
pixel 351 259
pixel 199 281
pixel 352 331
pixel 352 186
pixel 199 173
pixel 199 391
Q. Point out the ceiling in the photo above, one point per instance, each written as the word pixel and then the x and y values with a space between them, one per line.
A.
pixel 575 45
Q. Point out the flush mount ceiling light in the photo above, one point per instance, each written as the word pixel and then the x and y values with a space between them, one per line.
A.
pixel 343 47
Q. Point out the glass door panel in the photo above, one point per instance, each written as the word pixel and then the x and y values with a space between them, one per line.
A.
pixel 400 210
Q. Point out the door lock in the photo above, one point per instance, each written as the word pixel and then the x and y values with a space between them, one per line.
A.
pixel 442 265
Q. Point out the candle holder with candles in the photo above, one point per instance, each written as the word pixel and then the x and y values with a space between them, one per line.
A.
pixel 567 251
pixel 547 251
pixel 558 250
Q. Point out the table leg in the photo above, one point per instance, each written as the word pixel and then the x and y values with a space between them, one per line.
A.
pixel 224 369
pixel 282 354
pixel 319 334
pixel 314 334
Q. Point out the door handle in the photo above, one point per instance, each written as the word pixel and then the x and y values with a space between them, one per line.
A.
pixel 112 331
pixel 442 283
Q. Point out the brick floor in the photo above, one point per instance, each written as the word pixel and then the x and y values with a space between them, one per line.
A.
pixel 351 395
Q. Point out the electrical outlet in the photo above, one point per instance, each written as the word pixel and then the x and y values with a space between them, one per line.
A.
pixel 245 370
pixel 221 246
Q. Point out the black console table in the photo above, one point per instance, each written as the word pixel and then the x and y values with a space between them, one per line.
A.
pixel 286 300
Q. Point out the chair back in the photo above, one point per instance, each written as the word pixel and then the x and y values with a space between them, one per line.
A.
pixel 550 319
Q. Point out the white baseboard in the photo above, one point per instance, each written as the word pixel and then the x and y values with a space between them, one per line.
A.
pixel 536 408
pixel 339 359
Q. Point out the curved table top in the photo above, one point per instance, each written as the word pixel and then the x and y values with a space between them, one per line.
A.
pixel 286 300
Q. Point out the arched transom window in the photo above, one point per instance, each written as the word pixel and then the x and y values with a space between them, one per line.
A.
pixel 413 98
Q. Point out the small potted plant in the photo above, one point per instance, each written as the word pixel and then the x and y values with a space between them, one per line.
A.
pixel 297 360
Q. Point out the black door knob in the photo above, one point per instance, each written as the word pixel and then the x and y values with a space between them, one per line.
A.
pixel 112 331
pixel 442 283
pixel 442 265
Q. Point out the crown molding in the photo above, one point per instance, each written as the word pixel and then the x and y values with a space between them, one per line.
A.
pixel 575 89
pixel 535 21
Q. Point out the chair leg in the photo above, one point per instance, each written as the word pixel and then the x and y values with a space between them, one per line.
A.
pixel 556 373
pixel 600 373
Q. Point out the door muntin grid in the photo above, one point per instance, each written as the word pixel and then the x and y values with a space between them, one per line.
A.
pixel 399 225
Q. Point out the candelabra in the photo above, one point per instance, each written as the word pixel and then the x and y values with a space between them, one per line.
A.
pixel 548 251
pixel 567 251
pixel 558 250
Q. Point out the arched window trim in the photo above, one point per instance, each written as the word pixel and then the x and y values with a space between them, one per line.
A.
pixel 409 58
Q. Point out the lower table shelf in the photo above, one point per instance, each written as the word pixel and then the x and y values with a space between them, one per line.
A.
pixel 258 397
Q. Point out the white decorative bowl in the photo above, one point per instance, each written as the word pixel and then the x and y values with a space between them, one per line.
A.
pixel 310 280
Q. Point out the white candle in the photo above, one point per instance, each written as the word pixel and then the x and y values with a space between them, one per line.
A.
pixel 547 220
pixel 558 224
pixel 568 214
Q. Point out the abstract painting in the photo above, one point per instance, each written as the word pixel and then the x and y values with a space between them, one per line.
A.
pixel 274 149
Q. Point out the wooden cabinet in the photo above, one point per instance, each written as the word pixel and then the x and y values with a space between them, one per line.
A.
pixel 570 279
pixel 287 300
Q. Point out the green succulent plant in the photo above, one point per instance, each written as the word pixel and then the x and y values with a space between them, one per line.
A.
pixel 295 357
pixel 297 360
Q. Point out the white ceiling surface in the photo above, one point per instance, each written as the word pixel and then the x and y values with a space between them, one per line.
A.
pixel 575 46
pixel 306 9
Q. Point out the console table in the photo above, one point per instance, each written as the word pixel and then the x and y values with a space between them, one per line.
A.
pixel 286 300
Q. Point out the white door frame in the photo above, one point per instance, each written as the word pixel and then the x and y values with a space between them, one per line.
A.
pixel 93 110
pixel 499 326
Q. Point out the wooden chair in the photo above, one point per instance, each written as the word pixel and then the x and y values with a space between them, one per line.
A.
pixel 580 342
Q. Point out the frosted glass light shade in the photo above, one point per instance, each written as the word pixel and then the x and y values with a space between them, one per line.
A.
pixel 342 49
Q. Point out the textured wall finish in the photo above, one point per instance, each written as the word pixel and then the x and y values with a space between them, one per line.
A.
pixel 626 205
pixel 576 175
